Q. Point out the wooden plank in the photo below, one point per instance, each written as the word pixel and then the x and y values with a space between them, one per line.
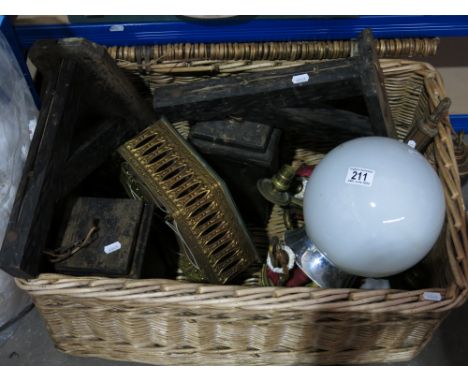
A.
pixel 116 95
pixel 249 95
pixel 314 120
pixel 219 98
pixel 117 220
pixel 90 109
pixel 372 83
pixel 91 153
pixel 329 117
pixel 34 204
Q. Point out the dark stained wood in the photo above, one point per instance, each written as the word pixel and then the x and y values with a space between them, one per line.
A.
pixel 373 87
pixel 108 136
pixel 89 109
pixel 219 98
pixel 246 95
pixel 241 153
pixel 315 120
pixel 116 94
pixel 125 221
pixel 328 117
pixel 34 202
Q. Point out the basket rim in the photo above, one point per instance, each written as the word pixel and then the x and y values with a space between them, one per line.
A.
pixel 166 293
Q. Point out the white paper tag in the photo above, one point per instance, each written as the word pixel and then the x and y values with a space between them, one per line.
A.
pixel 112 247
pixel 360 176
pixel 412 144
pixel 116 28
pixel 432 296
pixel 300 78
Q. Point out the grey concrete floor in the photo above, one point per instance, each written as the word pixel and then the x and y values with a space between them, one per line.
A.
pixel 29 344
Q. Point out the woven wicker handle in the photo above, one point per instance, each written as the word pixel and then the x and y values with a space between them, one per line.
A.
pixel 290 51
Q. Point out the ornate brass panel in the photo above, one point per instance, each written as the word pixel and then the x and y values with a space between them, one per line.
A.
pixel 174 177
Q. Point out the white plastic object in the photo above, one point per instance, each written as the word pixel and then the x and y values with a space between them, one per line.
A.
pixel 18 115
pixel 370 283
pixel 380 227
pixel 432 296
pixel 300 78
pixel 115 246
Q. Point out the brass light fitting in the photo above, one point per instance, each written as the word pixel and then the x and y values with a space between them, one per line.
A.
pixel 201 211
pixel 276 189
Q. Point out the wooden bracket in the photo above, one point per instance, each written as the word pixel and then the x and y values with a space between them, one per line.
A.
pixel 354 85
pixel 89 109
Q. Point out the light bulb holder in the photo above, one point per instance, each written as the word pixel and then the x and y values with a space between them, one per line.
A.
pixel 283 179
pixel 315 263
pixel 276 189
pixel 269 192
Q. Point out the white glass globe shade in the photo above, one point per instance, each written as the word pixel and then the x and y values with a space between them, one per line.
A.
pixel 374 206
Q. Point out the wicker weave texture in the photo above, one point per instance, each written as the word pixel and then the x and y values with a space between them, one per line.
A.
pixel 291 51
pixel 172 322
pixel 166 322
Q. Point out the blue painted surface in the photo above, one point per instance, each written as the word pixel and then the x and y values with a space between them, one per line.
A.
pixel 9 33
pixel 244 30
pixel 459 122
pixel 250 29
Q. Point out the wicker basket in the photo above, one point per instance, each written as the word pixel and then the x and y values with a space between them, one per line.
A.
pixel 175 322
